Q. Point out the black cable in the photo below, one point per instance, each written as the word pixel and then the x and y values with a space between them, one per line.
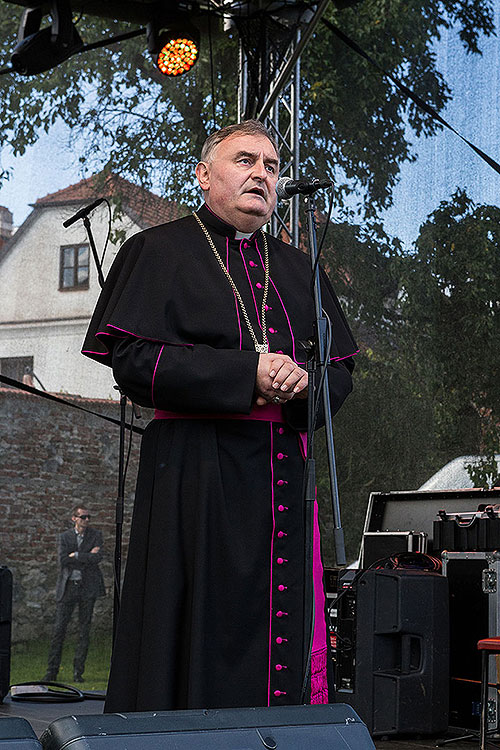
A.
pixel 323 236
pixel 409 93
pixel 57 692
pixel 112 40
pixel 212 82
pixel 36 392
pixel 129 449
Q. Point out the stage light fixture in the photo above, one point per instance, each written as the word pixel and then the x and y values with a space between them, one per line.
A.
pixel 38 50
pixel 175 46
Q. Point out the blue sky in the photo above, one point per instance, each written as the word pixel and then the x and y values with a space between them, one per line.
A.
pixel 444 161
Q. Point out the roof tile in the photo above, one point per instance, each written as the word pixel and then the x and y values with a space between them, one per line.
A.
pixel 146 208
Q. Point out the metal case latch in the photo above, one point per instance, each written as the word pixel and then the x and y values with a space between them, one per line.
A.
pixel 489 581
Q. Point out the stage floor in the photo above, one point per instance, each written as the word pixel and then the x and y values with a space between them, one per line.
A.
pixel 40 715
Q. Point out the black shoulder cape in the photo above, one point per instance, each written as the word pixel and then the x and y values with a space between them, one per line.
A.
pixel 165 285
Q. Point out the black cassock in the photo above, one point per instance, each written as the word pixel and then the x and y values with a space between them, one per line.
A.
pixel 212 604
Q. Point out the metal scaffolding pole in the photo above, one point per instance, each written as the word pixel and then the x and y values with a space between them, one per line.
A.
pixel 284 122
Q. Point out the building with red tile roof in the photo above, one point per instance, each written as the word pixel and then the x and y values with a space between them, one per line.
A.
pixel 49 282
pixel 146 208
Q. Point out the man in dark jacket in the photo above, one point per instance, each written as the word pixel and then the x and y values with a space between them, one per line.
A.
pixel 80 582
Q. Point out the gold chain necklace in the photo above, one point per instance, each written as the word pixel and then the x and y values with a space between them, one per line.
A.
pixel 264 347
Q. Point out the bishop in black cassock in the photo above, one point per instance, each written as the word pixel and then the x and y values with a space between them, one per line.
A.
pixel 212 603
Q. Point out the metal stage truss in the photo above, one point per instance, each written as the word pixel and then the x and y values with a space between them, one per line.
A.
pixel 271 38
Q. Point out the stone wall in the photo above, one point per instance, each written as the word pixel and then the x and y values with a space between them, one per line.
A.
pixel 51 457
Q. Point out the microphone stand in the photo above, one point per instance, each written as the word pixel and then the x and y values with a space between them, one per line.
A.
pixel 120 498
pixel 86 223
pixel 318 354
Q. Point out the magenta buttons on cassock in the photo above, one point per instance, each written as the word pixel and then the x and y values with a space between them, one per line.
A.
pixel 282 508
pixel 279 613
pixel 281 587
pixel 281 430
pixel 281 534
pixel 279 639
pixel 281 482
pixel 258 285
pixel 281 560
pixel 281 456
pixel 277 693
pixel 251 263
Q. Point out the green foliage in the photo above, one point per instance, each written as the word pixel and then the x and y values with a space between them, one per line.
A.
pixel 124 115
pixel 427 379
pixel 452 313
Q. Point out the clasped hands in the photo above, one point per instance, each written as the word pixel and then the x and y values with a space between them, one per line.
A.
pixel 279 377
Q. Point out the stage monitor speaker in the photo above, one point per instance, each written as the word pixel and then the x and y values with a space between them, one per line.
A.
pixel 322 727
pixel 5 629
pixel 17 734
pixel 392 650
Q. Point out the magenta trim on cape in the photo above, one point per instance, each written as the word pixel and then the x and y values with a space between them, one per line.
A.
pixel 267 413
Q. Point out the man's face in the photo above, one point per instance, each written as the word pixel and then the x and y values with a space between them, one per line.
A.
pixel 81 520
pixel 240 181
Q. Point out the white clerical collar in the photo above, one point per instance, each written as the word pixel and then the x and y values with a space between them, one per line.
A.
pixel 242 235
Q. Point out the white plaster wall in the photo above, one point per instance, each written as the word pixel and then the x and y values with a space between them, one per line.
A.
pixel 29 275
pixel 57 360
pixel 38 320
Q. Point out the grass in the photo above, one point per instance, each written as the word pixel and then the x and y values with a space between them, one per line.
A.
pixel 29 663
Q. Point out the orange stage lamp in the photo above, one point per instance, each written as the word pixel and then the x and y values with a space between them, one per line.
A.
pixel 178 55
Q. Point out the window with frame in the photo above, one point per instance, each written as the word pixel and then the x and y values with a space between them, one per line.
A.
pixel 74 267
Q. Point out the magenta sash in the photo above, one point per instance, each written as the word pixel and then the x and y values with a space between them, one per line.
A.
pixel 267 413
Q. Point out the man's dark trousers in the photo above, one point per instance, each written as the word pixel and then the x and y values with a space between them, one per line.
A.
pixel 73 597
pixel 71 593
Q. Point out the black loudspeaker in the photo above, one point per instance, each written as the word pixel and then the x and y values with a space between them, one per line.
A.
pixel 5 629
pixel 322 727
pixel 17 734
pixel 392 650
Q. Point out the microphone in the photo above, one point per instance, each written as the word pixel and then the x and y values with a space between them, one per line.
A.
pixel 286 187
pixel 83 212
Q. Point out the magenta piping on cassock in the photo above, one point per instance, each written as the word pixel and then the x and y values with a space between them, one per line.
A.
pixel 235 298
pixel 154 375
pixel 250 283
pixel 283 306
pixel 271 575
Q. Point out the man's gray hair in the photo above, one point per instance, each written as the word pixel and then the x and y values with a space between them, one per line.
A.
pixel 247 127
